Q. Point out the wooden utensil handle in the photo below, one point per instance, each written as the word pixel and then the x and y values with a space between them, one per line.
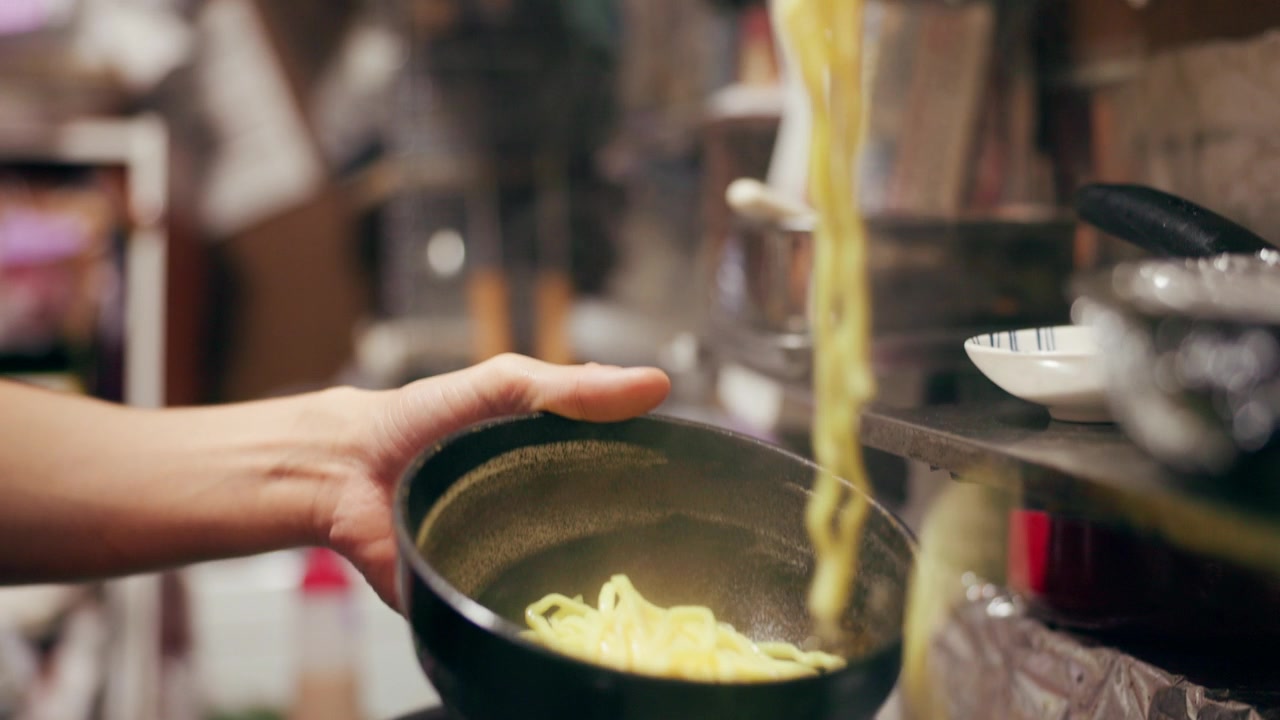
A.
pixel 489 305
pixel 553 297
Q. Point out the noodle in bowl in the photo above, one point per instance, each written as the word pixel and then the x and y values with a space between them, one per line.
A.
pixel 506 513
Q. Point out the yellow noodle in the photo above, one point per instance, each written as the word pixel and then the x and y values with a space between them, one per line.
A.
pixel 825 37
pixel 627 632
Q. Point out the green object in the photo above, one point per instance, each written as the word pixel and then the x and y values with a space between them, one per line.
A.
pixel 249 714
pixel 597 20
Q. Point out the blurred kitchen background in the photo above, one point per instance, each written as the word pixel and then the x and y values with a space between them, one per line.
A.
pixel 219 200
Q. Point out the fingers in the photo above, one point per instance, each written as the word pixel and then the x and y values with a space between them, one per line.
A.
pixel 515 384
pixel 423 412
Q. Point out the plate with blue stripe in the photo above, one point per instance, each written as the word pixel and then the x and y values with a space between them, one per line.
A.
pixel 1056 367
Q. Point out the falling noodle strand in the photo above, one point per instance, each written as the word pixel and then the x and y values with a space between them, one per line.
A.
pixel 627 632
pixel 825 38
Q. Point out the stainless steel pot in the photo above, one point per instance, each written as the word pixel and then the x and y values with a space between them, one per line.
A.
pixel 1191 341
pixel 762 279
pixel 926 277
pixel 1192 359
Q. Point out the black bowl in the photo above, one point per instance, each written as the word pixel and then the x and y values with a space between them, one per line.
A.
pixel 501 514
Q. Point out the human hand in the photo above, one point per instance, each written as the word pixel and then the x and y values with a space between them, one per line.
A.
pixel 355 515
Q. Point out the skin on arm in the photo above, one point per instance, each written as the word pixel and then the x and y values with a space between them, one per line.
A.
pixel 90 489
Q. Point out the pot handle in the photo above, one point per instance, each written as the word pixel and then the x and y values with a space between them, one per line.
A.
pixel 1162 223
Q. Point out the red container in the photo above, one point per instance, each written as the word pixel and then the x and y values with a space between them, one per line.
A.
pixel 1087 575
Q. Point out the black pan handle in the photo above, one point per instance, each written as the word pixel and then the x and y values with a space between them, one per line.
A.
pixel 1162 223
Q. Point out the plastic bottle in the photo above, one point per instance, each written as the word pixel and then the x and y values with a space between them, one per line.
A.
pixel 327 641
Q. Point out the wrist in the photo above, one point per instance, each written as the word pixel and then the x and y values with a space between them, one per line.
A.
pixel 330 454
pixel 263 475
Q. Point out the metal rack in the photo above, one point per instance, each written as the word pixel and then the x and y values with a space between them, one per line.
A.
pixel 140 145
pixel 1091 470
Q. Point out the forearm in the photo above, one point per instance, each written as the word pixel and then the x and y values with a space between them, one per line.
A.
pixel 91 489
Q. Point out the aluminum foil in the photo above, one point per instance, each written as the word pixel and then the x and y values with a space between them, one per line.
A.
pixel 991 661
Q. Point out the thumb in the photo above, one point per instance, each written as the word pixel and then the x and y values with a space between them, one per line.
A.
pixel 423 412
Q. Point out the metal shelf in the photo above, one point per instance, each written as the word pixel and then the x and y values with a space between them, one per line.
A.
pixel 1066 466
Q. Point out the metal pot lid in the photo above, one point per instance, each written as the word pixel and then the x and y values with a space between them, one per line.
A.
pixel 1233 288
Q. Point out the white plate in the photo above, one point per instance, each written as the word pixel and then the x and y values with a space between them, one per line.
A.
pixel 1056 367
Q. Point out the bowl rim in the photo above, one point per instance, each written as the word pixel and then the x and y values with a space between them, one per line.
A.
pixel 972 346
pixel 496 625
